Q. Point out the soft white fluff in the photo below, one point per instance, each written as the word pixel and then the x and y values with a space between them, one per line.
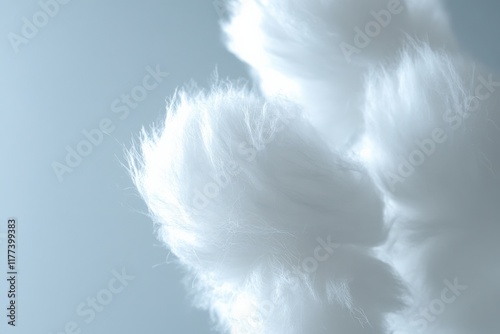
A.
pixel 310 50
pixel 433 125
pixel 274 226
pixel 353 194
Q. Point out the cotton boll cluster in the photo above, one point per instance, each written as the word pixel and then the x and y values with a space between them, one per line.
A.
pixel 355 193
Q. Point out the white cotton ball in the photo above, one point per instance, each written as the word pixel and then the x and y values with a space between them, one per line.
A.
pixel 430 128
pixel 318 51
pixel 260 211
pixel 358 196
pixel 432 124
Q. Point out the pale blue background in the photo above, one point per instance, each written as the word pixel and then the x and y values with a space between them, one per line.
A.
pixel 73 234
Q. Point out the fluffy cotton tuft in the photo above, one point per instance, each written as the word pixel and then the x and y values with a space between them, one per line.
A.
pixel 356 194
pixel 319 51
pixel 433 124
pixel 274 226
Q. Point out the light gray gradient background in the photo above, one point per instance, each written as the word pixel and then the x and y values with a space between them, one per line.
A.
pixel 72 234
